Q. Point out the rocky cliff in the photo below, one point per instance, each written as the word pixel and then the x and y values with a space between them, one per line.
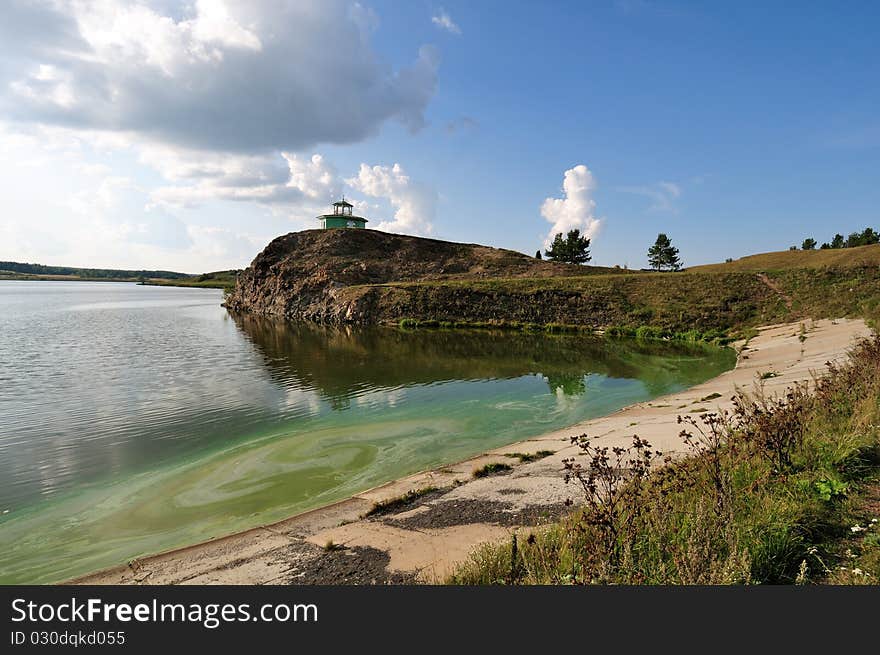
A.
pixel 330 276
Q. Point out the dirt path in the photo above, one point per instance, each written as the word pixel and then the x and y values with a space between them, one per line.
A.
pixel 775 288
pixel 423 539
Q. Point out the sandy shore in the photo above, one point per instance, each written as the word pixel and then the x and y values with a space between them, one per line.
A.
pixel 424 539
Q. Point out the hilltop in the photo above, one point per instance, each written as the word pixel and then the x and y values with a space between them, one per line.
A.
pixel 792 259
pixel 305 274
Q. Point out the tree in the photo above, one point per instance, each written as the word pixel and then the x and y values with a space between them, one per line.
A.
pixel 808 244
pixel 837 241
pixel 538 255
pixel 571 249
pixel 663 254
pixel 825 246
pixel 865 238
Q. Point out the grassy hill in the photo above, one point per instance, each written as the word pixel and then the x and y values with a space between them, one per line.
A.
pixel 789 259
pixel 674 302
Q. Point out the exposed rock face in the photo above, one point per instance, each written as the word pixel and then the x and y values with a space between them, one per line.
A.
pixel 325 275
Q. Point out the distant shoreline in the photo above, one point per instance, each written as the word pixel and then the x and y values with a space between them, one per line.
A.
pixel 195 284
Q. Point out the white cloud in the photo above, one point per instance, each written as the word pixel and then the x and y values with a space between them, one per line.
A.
pixel 414 204
pixel 576 210
pixel 221 75
pixel 444 21
pixel 296 186
pixel 316 178
pixel 662 195
pixel 116 209
pixel 222 244
pixel 94 170
pixel 224 99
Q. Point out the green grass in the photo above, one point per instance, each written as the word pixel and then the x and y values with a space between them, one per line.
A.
pixel 217 280
pixel 798 259
pixel 786 491
pixel 698 306
pixel 399 502
pixel 431 323
pixel 495 468
pixel 524 458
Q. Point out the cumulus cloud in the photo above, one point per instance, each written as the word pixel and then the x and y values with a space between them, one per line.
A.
pixel 575 211
pixel 414 204
pixel 284 181
pixel 662 195
pixel 221 75
pixel 444 21
pixel 224 99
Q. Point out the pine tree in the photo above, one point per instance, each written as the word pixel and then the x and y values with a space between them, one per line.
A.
pixel 571 249
pixel 808 244
pixel 671 258
pixel 663 254
pixel 655 252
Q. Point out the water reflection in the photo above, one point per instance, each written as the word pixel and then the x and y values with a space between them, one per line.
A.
pixel 342 361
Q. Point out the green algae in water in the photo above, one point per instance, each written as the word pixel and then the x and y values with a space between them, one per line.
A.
pixel 195 423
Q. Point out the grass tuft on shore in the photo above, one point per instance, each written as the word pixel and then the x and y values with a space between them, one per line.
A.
pixel 399 502
pixel 779 490
pixel 495 468
pixel 525 458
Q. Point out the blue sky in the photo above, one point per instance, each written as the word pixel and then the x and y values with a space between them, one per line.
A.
pixel 733 127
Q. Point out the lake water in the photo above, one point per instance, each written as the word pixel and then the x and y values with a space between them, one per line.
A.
pixel 135 418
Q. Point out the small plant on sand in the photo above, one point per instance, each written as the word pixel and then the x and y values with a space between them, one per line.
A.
pixel 398 502
pixel 530 457
pixel 495 468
